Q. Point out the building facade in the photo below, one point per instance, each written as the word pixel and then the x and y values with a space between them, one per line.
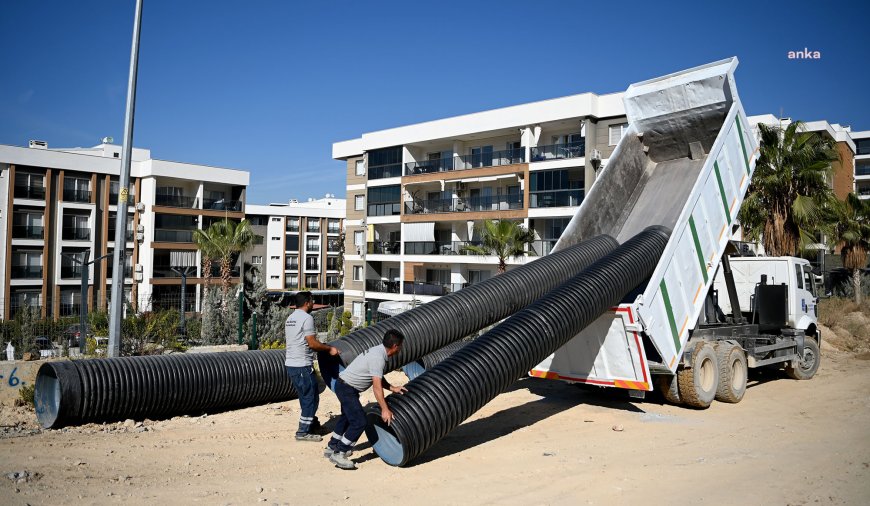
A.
pixel 58 209
pixel 862 163
pixel 302 244
pixel 417 195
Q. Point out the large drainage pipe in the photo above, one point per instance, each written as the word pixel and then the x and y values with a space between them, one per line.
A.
pixel 418 367
pixel 433 325
pixel 442 398
pixel 109 389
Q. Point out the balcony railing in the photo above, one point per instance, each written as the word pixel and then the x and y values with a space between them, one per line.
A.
pixel 312 266
pixel 438 247
pixel 111 235
pixel 29 192
pixel 175 201
pixel 27 232
pixel 173 235
pixel 128 271
pixel 465 162
pixel 76 234
pixel 575 149
pixel 862 170
pixel 162 271
pixel 221 205
pixel 432 288
pixel 332 284
pixel 377 285
pixel 26 272
pixel 291 266
pixel 863 191
pixel 556 198
pixel 76 195
pixel 70 272
pixel 113 198
pixel 385 171
pixel 388 209
pixel 313 248
pixel 542 247
pixel 333 229
pixel 456 205
pixel 383 248
pixel 293 228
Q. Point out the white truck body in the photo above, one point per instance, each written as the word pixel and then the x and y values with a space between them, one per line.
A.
pixel 685 163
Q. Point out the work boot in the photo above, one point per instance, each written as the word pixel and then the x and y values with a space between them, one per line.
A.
pixel 314 438
pixel 328 452
pixel 341 461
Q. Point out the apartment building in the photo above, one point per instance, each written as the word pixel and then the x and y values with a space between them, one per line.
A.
pixel 417 194
pixel 862 163
pixel 301 246
pixel 58 209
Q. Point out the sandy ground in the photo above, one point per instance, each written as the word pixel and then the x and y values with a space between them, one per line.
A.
pixel 543 442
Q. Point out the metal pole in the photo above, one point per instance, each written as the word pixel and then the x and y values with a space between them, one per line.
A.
pixel 241 299
pixel 181 318
pixel 121 215
pixel 83 310
pixel 254 341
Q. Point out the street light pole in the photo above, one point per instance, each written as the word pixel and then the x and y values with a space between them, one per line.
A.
pixel 121 215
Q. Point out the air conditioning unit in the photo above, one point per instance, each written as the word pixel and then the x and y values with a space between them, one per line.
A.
pixel 38 144
pixel 140 237
pixel 140 206
pixel 138 277
pixel 359 250
pixel 138 268
pixel 140 229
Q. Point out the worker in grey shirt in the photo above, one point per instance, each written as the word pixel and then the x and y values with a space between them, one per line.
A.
pixel 302 343
pixel 366 370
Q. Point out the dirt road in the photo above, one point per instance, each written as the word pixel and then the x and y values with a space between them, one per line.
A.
pixel 543 442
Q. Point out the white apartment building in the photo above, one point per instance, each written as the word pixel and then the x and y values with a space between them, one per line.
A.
pixel 301 246
pixel 57 204
pixel 862 163
pixel 417 194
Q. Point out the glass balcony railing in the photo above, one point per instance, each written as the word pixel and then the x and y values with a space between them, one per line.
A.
pixel 388 209
pixel 221 205
pixel 27 231
pixel 862 170
pixel 465 162
pixel 377 285
pixel 128 271
pixel 76 234
pixel 76 195
pixel 173 235
pixel 385 171
pixel 333 229
pixel 291 266
pixel 29 192
pixel 432 288
pixel 383 248
pixel 456 205
pixel 312 266
pixel 438 247
pixel 111 235
pixel 429 166
pixel 556 198
pixel 559 151
pixel 176 201
pixel 26 272
pixel 70 272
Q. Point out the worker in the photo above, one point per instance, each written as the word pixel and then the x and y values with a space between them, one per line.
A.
pixel 302 343
pixel 366 370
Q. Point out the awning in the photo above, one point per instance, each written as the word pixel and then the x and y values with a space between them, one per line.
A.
pixel 419 232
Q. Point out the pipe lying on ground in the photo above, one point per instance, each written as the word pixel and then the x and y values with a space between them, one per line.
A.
pixel 110 389
pixel 436 324
pixel 418 367
pixel 443 397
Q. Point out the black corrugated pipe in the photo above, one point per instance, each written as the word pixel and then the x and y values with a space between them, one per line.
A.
pixel 110 389
pixel 443 397
pixel 436 324
pixel 416 368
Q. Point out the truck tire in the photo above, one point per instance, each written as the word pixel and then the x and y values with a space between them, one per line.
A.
pixel 733 372
pixel 667 385
pixel 805 367
pixel 698 384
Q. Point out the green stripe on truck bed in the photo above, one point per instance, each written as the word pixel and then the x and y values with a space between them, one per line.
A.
pixel 698 247
pixel 670 312
pixel 722 191
pixel 742 143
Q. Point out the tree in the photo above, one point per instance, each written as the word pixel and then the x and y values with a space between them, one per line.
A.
pixel 205 241
pixel 786 202
pixel 222 241
pixel 502 239
pixel 851 232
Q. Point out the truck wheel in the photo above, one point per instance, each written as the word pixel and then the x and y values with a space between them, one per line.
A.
pixel 699 383
pixel 806 366
pixel 733 373
pixel 667 385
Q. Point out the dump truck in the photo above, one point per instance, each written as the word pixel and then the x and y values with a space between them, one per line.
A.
pixel 707 314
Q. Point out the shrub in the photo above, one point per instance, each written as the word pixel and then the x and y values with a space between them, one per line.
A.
pixel 25 393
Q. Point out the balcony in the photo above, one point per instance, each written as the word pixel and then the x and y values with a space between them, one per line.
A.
pixel 465 162
pixel 383 248
pixel 862 170
pixel 71 272
pixel 291 265
pixel 312 247
pixel 333 229
pixel 438 247
pixel 27 231
pixel 111 235
pixel 76 234
pixel 377 285
pixel 76 195
pixel 458 205
pixel 29 192
pixel 432 288
pixel 173 235
pixel 556 198
pixel 388 209
pixel 221 205
pixel 176 201
pixel 385 171
pixel 26 272
pixel 312 266
pixel 159 271
pixel 575 149
pixel 128 270
pixel 113 197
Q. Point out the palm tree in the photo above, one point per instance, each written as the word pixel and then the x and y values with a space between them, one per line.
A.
pixel 222 240
pixel 851 232
pixel 205 242
pixel 789 192
pixel 502 239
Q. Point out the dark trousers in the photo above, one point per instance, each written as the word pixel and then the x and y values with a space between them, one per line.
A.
pixel 305 382
pixel 352 422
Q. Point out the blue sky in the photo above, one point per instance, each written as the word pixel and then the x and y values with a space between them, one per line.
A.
pixel 268 85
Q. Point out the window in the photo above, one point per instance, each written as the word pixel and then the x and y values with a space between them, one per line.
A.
pixel 312 263
pixel 293 224
pixel 312 244
pixel 275 257
pixel 360 168
pixel 291 281
pixel 276 219
pixel 385 162
pixel 333 245
pixel 291 262
pixel 276 238
pixel 359 238
pixel 616 133
pixel 257 260
pixel 273 277
pixel 313 225
pixel 357 273
pixel 385 201
pixel 359 202
pixel 292 243
pixel 333 226
pixel 332 282
pixel 332 264
pixel 358 310
pixel 481 156
pixel 799 276
pixel 312 281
